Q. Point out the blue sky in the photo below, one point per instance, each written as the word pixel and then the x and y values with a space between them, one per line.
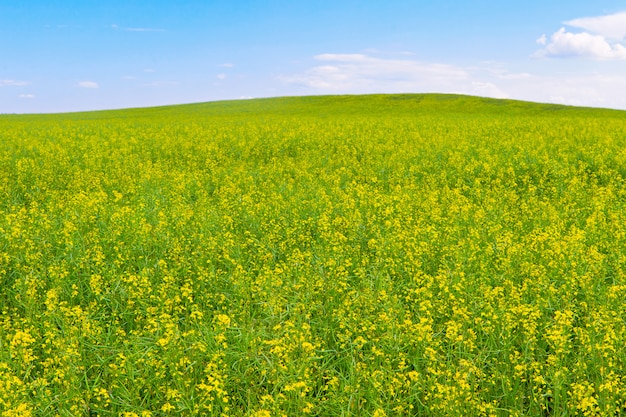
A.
pixel 83 55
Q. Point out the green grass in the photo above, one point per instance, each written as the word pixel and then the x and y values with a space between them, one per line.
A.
pixel 422 255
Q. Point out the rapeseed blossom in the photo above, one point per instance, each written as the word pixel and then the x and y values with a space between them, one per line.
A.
pixel 372 256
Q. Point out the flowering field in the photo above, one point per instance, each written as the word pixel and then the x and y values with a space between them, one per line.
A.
pixel 402 255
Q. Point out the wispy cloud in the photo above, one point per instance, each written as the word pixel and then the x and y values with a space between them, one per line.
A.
pixel 600 39
pixel 358 73
pixel 227 65
pixel 611 26
pixel 221 76
pixel 28 96
pixel 88 84
pixel 136 29
pixel 13 83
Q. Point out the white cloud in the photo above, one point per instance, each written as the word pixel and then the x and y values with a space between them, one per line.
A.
pixel 26 96
pixel 13 83
pixel 567 44
pixel 542 40
pixel 600 39
pixel 221 76
pixel 359 73
pixel 227 65
pixel 610 26
pixel 88 84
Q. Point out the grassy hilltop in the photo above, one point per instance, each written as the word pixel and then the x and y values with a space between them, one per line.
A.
pixel 381 255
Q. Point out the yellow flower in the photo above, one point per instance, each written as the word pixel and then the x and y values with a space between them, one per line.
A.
pixel 21 410
pixel 223 320
pixel 167 407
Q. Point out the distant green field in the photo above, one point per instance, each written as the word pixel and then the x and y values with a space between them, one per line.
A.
pixel 383 255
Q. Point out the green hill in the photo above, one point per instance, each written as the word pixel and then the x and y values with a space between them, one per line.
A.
pixel 321 106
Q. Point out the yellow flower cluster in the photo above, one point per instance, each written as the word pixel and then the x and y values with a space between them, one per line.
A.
pixel 374 256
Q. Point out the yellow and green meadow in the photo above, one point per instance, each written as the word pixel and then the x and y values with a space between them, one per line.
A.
pixel 401 255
